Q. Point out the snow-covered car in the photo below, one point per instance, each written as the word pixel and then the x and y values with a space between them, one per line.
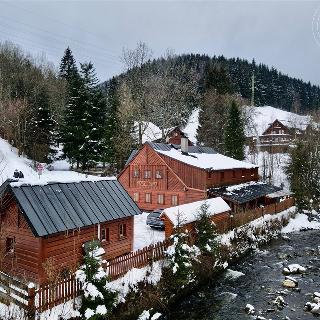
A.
pixel 154 221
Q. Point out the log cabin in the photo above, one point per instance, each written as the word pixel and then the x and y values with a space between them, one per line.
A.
pixel 45 226
pixel 186 215
pixel 163 175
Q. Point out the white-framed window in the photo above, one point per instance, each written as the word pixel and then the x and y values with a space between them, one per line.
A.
pixel 105 234
pixel 148 197
pixel 147 174
pixel 136 173
pixel 122 230
pixel 136 196
pixel 160 199
pixel 159 174
pixel 174 200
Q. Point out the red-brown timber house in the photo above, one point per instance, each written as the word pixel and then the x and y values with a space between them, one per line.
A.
pixel 48 225
pixel 163 175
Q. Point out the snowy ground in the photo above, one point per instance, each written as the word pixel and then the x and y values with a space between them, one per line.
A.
pixel 10 161
pixel 143 234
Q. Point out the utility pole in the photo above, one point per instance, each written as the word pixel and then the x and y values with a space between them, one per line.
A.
pixel 252 89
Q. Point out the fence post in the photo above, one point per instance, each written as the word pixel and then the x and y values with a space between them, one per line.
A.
pixel 31 302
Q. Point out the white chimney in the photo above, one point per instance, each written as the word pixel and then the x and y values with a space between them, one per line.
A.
pixel 184 145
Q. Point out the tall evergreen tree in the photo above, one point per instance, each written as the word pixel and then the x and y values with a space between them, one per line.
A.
pixel 93 119
pixel 234 138
pixel 71 132
pixel 41 136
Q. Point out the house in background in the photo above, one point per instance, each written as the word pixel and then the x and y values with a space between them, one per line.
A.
pixel 279 135
pixel 186 215
pixel 50 223
pixel 163 175
pixel 174 136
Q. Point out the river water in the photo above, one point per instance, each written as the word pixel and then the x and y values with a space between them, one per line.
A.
pixel 260 284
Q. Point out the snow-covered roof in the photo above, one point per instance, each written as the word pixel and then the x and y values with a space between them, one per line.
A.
pixel 187 213
pixel 245 192
pixel 260 119
pixel 203 160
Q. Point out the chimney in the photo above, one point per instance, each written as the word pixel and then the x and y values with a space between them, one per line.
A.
pixel 184 145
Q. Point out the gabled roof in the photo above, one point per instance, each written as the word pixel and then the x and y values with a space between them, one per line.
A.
pixel 57 207
pixel 200 157
pixel 187 213
pixel 245 192
pixel 197 156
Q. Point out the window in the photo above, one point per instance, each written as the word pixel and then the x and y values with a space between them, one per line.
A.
pixel 136 173
pixel 174 200
pixel 221 176
pixel 10 242
pixel 233 173
pixel 147 174
pixel 105 234
pixel 148 197
pixel 159 174
pixel 136 196
pixel 122 230
pixel 160 199
pixel 243 173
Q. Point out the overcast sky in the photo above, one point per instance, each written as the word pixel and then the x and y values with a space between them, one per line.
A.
pixel 284 34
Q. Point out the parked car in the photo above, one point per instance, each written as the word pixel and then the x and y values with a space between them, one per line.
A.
pixel 154 221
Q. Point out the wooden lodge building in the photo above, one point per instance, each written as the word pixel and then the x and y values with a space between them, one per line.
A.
pixel 48 224
pixel 174 136
pixel 278 136
pixel 163 175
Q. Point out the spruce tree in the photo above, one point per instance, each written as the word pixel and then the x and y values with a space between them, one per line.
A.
pixel 41 135
pixel 93 119
pixel 234 138
pixel 71 131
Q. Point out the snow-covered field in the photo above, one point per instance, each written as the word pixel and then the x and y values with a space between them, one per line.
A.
pixel 143 234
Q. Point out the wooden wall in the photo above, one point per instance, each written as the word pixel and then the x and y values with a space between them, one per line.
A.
pixel 64 250
pixel 26 258
pixel 189 183
pixel 222 221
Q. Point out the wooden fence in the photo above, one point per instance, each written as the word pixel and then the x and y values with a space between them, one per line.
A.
pixel 53 294
pixel 17 292
pixel 119 266
pixel 50 295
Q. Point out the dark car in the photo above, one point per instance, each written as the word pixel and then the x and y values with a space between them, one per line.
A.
pixel 154 221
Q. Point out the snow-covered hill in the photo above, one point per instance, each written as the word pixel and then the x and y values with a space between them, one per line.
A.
pixel 259 118
pixel 10 161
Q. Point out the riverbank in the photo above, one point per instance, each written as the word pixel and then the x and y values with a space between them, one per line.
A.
pixel 257 279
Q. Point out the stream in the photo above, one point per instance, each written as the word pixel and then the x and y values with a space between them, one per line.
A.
pixel 257 280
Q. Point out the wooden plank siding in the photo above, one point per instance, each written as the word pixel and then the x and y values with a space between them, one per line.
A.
pixel 64 249
pixel 187 182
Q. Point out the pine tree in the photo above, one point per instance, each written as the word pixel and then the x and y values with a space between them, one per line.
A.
pixel 68 68
pixel 113 125
pixel 93 119
pixel 97 300
pixel 41 135
pixel 234 138
pixel 71 132
pixel 206 232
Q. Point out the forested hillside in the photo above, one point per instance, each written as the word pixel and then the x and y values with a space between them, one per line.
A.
pixel 235 76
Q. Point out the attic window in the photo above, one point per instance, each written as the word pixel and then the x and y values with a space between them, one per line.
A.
pixel 147 174
pixel 136 173
pixel 159 174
